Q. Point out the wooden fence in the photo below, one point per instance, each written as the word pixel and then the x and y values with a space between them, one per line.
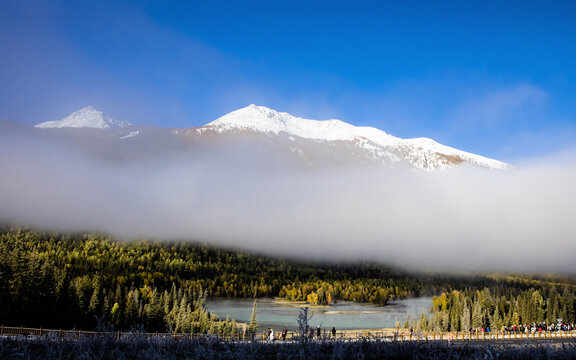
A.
pixel 484 336
pixel 389 335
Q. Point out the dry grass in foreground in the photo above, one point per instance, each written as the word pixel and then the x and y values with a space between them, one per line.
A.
pixel 139 347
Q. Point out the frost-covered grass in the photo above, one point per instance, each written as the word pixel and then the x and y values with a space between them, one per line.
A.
pixel 141 347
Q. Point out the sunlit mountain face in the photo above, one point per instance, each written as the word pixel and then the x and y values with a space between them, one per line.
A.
pixel 296 141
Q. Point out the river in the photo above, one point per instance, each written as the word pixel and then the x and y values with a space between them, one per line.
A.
pixel 343 315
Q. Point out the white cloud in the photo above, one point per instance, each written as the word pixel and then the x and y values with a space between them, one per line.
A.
pixel 463 219
pixel 499 107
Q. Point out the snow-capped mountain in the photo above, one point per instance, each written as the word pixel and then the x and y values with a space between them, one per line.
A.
pixel 421 153
pixel 285 138
pixel 86 118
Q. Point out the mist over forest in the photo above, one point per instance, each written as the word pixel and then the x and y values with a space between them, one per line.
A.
pixel 460 219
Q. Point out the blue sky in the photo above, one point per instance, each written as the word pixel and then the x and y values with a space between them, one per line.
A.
pixel 496 78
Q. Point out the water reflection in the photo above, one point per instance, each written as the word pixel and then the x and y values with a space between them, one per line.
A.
pixel 343 315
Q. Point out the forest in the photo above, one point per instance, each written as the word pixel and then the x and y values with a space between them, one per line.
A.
pixel 67 280
pixel 501 308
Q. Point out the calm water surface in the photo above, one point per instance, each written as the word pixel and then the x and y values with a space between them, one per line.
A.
pixel 343 315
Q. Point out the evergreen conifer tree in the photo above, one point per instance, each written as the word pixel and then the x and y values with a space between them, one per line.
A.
pixel 465 321
pixel 477 315
pixel 253 323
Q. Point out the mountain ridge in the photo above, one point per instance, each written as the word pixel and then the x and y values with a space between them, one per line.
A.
pixel 418 151
pixel 87 117
pixel 332 136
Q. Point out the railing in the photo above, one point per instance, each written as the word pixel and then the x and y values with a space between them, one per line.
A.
pixel 390 335
pixel 485 336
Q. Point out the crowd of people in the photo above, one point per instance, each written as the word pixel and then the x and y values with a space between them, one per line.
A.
pixel 271 335
pixel 539 327
pixel 522 328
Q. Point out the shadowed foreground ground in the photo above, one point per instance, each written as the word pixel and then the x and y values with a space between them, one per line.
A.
pixel 139 347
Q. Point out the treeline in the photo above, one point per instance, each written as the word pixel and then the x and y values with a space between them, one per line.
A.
pixel 58 281
pixel 76 280
pixel 61 280
pixel 500 306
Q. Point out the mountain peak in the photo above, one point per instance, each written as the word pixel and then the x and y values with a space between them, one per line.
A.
pixel 258 110
pixel 422 153
pixel 255 118
pixel 87 117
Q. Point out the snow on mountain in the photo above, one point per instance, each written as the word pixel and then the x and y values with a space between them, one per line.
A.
pixel 421 153
pixel 130 134
pixel 315 142
pixel 262 119
pixel 85 118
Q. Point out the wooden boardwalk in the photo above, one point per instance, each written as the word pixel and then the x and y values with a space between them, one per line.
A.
pixel 386 334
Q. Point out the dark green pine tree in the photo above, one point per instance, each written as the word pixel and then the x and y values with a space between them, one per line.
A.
pixel 477 315
pixel 552 308
pixel 253 323
pixel 154 313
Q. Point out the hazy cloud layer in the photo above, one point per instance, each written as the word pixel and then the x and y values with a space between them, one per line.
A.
pixel 466 219
pixel 499 108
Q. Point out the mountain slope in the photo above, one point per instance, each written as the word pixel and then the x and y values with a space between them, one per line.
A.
pixel 311 143
pixel 421 153
pixel 86 118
